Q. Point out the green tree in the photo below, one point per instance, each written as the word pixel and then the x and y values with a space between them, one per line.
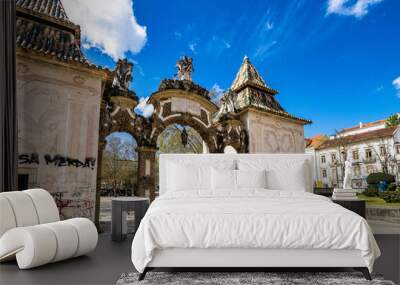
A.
pixel 119 165
pixel 393 120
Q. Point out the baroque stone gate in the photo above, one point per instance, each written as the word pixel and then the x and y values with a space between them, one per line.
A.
pixel 67 106
pixel 177 101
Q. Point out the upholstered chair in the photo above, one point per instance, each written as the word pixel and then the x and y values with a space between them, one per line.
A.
pixel 31 231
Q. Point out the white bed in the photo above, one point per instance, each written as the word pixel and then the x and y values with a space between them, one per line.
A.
pixel 201 219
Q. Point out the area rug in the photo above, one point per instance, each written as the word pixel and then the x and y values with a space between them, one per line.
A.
pixel 243 278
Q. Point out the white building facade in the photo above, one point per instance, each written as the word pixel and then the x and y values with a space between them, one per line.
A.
pixel 371 148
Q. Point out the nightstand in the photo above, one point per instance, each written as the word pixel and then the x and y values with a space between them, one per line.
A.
pixel 119 211
pixel 357 206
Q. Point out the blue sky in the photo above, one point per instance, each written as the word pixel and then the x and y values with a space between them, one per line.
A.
pixel 333 61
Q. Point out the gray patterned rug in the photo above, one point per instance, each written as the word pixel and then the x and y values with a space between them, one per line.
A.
pixel 243 278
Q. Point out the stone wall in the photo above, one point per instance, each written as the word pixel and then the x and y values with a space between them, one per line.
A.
pixel 272 134
pixel 390 214
pixel 58 118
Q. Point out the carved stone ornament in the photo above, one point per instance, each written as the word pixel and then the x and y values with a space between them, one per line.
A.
pixel 79 79
pixel 188 86
pixel 123 74
pixel 185 68
pixel 228 105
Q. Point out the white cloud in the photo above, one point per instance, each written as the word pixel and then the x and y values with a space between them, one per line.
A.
pixel 342 7
pixel 193 46
pixel 263 49
pixel 217 92
pixel 269 25
pixel 379 89
pixel 178 35
pixel 110 26
pixel 396 84
pixel 226 44
pixel 138 67
pixel 143 108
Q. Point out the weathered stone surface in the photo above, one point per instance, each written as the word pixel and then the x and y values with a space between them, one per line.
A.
pixel 272 134
pixel 58 126
pixel 388 213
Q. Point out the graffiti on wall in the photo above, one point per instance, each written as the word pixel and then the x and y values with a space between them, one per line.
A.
pixel 57 160
pixel 80 207
pixel 28 158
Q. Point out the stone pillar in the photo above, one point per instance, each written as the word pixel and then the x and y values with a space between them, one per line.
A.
pixel 102 145
pixel 146 172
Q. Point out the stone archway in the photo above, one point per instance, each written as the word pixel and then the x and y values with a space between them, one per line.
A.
pixel 185 103
pixel 177 101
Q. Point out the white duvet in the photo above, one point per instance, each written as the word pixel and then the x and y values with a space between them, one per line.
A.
pixel 250 219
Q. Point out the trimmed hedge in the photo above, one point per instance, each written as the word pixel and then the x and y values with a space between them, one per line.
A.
pixel 372 190
pixel 375 178
pixel 391 196
pixel 391 187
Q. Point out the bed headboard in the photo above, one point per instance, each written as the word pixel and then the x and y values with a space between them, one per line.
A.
pixel 211 159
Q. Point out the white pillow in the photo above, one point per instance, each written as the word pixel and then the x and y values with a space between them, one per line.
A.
pixel 282 174
pixel 292 177
pixel 183 177
pixel 251 178
pixel 223 179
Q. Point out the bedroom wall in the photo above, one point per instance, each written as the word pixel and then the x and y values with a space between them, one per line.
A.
pixel 58 118
pixel 272 134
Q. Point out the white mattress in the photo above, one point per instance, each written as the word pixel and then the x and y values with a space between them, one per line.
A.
pixel 250 219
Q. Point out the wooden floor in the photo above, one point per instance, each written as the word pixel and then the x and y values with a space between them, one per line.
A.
pixel 110 260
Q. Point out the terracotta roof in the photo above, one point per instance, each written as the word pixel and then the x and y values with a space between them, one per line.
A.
pixel 50 8
pixel 366 125
pixel 316 140
pixel 351 139
pixel 43 28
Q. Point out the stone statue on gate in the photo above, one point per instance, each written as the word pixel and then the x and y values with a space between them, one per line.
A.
pixel 228 102
pixel 123 74
pixel 184 137
pixel 185 68
pixel 347 175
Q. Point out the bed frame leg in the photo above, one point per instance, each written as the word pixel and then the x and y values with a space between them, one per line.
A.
pixel 364 271
pixel 143 274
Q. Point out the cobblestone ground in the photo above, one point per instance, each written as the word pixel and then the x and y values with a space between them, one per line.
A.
pixel 105 215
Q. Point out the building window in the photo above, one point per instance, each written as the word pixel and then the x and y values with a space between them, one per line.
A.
pixel 355 155
pixel 368 153
pixel 357 170
pixel 324 174
pixel 333 157
pixel 370 169
pixel 382 150
pixel 398 149
pixel 323 159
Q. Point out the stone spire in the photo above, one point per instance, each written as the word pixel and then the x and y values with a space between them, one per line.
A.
pixel 249 76
pixel 249 90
